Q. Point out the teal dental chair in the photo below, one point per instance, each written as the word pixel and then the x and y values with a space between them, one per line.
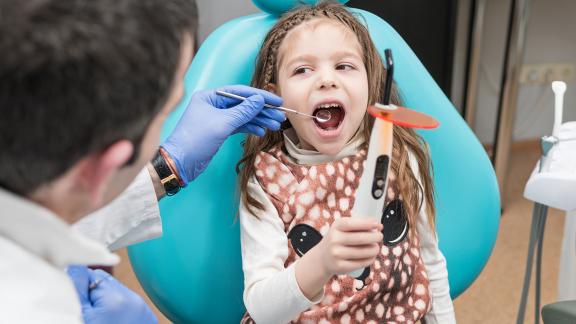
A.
pixel 194 272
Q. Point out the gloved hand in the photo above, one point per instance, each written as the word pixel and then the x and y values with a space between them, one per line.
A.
pixel 109 301
pixel 210 118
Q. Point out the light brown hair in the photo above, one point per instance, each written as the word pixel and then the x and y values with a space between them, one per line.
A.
pixel 405 139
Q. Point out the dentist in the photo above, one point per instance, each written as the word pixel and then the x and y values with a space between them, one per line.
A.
pixel 85 86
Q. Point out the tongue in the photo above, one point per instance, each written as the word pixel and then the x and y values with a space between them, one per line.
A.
pixel 335 117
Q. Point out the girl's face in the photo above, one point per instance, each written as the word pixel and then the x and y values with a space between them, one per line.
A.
pixel 321 68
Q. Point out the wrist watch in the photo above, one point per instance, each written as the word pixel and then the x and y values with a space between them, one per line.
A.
pixel 167 176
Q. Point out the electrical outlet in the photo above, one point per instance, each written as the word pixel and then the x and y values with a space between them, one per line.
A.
pixel 538 74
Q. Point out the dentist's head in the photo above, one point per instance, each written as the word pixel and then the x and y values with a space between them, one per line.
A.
pixel 84 89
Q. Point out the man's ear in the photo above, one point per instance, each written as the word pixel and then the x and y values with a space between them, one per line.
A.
pixel 97 170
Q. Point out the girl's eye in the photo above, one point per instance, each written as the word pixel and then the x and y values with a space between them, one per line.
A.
pixel 345 67
pixel 302 70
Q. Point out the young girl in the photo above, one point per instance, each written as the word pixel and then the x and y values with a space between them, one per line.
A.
pixel 299 243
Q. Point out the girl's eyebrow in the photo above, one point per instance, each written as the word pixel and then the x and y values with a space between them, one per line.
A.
pixel 345 53
pixel 337 55
pixel 304 57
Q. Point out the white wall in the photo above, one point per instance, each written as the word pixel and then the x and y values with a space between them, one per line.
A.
pixel 551 38
pixel 459 61
pixel 214 13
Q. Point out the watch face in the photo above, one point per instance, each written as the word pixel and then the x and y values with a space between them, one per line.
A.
pixel 168 179
pixel 303 238
pixel 172 186
pixel 395 223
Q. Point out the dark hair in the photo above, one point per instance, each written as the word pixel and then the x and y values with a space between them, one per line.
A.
pixel 78 75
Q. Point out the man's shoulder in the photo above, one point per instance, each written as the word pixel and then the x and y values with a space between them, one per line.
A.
pixel 13 252
pixel 34 291
pixel 17 262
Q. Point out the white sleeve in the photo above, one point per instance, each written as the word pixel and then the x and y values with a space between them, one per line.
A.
pixel 442 311
pixel 271 292
pixel 131 218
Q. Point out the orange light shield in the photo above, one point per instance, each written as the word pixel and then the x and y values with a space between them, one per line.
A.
pixel 403 116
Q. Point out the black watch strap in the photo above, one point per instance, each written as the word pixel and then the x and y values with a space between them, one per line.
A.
pixel 168 179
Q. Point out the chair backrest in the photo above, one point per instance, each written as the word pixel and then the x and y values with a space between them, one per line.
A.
pixel 194 273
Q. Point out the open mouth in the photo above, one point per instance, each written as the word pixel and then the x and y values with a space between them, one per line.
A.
pixel 336 113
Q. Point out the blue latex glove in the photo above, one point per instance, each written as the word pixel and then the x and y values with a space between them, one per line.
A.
pixel 109 301
pixel 210 118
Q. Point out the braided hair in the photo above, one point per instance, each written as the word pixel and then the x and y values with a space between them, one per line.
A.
pixel 406 141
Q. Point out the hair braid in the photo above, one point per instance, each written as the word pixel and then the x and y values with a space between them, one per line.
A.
pixel 274 40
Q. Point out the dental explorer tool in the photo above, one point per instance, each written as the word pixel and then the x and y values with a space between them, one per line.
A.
pixel 321 119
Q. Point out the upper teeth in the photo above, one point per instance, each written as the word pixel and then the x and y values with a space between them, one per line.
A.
pixel 329 105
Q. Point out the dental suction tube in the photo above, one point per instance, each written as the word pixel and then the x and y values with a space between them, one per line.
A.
pixel 559 87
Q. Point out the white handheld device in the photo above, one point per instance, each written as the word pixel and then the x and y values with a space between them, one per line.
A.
pixel 371 192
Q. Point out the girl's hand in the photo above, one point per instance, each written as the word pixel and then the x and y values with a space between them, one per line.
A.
pixel 351 244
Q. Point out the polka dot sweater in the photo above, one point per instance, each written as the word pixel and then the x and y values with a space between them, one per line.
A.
pixel 308 198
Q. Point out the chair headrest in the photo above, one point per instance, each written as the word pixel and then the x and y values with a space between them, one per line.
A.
pixel 278 7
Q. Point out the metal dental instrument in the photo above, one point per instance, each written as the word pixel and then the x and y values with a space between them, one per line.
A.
pixel 321 119
pixel 95 284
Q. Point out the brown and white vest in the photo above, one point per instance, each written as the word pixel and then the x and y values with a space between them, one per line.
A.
pixel 309 199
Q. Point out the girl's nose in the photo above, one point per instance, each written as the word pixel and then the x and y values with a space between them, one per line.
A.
pixel 327 81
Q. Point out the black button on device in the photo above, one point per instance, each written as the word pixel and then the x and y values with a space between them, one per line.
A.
pixel 380 174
